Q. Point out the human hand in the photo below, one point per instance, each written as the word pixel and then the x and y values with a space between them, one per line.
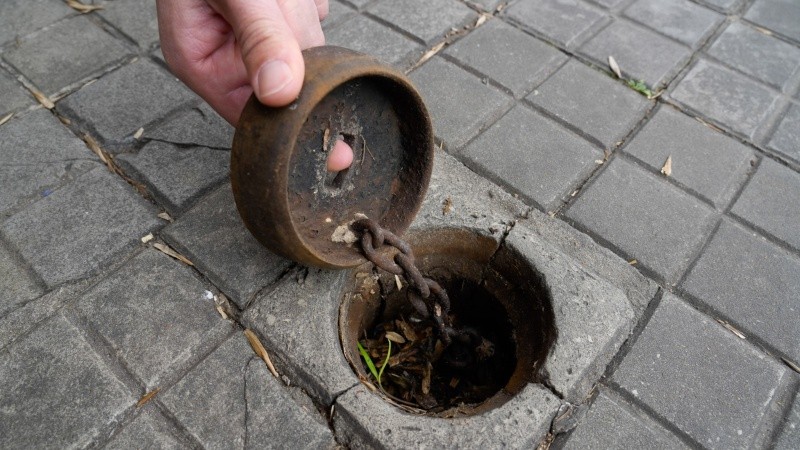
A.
pixel 225 50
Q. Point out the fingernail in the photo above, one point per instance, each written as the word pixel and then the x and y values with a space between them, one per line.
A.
pixel 273 76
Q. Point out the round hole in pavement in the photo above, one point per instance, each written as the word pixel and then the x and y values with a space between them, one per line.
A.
pixel 503 299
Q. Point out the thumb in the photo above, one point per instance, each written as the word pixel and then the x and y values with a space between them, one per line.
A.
pixel 270 50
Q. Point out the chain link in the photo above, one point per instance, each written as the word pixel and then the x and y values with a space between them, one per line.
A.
pixel 427 297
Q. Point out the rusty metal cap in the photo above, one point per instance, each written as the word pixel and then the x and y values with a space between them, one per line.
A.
pixel 283 191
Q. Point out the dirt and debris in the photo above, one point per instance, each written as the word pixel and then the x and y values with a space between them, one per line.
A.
pixel 412 367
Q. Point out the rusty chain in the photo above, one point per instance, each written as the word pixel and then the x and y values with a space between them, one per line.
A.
pixel 427 297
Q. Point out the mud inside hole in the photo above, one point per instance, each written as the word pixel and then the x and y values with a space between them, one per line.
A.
pixel 421 372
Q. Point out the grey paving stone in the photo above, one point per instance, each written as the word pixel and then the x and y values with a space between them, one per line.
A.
pixel 20 17
pixel 298 321
pixel 230 400
pixel 337 12
pixel 770 202
pixel 533 156
pixel 565 22
pixel 121 102
pixel 764 57
pixel 177 176
pixel 364 35
pixel 16 323
pixel 613 423
pixel 17 283
pixel 458 102
pixel 77 229
pixel 607 114
pixel 214 238
pixel 629 44
pixel 364 420
pixel 359 3
pixel 726 6
pixel 682 20
pixel 296 425
pixel 210 400
pixel 728 393
pixel 476 204
pixel 148 430
pixel 782 16
pixel 786 139
pixel 741 106
pixel 513 58
pixel 12 94
pixel 739 266
pixel 428 20
pixel 56 390
pixel 703 160
pixel 37 155
pixel 485 5
pixel 648 220
pixel 607 3
pixel 65 53
pixel 136 18
pixel 155 314
pixel 200 126
pixel 593 317
pixel 789 438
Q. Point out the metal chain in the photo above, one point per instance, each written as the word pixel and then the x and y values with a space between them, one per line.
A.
pixel 427 297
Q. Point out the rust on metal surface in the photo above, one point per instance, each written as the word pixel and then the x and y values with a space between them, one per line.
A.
pixel 283 191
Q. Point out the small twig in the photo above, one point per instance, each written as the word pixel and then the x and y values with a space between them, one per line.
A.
pixel 165 249
pixel 147 397
pixel 259 349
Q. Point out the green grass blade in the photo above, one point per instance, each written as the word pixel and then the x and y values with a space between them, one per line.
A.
pixel 368 360
pixel 385 362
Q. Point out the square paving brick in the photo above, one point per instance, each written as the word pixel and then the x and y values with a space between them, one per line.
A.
pixel 77 229
pixel 155 314
pixel 20 17
pixel 682 20
pixel 56 391
pixel 298 321
pixel 613 423
pixel 646 218
pixel 230 400
pixel 364 35
pixel 177 176
pixel 12 94
pixel 337 13
pixel 64 54
pixel 148 430
pixel 428 20
pixel 565 22
pixel 214 238
pixel 710 384
pixel 38 154
pixel 534 156
pixel 362 419
pixel 129 98
pixel 705 161
pixel 608 3
pixel 513 58
pixel 17 283
pixel 626 41
pixel 786 139
pixel 770 202
pixel 764 57
pixel 200 126
pixel 136 18
pixel 591 101
pixel 753 282
pixel 741 105
pixel 782 16
pixel 458 102
pixel 789 437
pixel 486 5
